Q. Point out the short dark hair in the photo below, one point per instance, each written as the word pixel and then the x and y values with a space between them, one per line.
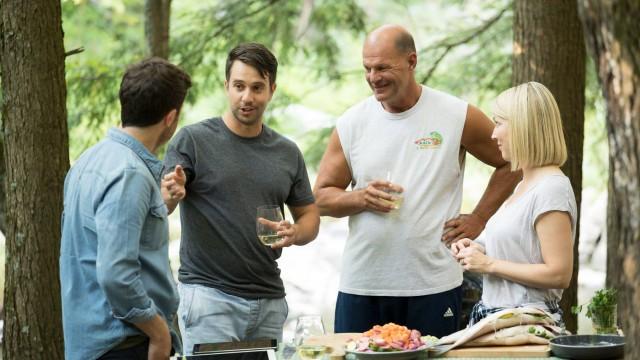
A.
pixel 257 56
pixel 404 43
pixel 149 90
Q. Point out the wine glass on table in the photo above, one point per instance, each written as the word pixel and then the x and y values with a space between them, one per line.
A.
pixel 309 326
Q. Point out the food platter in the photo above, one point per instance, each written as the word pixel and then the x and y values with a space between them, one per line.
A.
pixel 389 355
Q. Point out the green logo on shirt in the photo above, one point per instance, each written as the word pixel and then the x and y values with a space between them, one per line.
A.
pixel 433 141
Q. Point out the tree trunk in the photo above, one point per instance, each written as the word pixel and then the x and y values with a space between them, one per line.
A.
pixel 36 158
pixel 611 33
pixel 3 201
pixel 156 26
pixel 549 48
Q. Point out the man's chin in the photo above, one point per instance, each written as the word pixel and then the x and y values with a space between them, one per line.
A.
pixel 380 96
pixel 248 121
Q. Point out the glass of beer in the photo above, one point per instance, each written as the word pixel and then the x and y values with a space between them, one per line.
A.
pixel 266 232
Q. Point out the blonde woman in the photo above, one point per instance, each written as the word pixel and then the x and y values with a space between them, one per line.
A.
pixel 525 252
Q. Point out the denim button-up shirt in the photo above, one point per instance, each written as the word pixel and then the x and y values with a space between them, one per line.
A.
pixel 114 266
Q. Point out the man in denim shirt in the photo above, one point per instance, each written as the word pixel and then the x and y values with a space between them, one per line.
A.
pixel 118 293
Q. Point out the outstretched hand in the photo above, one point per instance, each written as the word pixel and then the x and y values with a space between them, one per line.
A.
pixel 173 185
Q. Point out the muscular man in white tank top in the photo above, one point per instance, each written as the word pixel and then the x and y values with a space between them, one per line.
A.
pixel 396 266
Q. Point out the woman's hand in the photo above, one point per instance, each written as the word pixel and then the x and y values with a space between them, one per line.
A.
pixel 472 258
pixel 457 246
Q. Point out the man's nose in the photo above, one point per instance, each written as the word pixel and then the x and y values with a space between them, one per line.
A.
pixel 374 76
pixel 247 96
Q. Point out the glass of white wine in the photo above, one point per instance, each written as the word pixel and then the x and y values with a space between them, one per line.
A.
pixel 266 233
pixel 306 327
pixel 398 197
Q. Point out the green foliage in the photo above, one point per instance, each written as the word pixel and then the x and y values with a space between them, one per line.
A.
pixel 464 47
pixel 112 35
pixel 602 302
pixel 602 310
pixel 595 149
pixel 473 58
pixel 316 145
pixel 204 35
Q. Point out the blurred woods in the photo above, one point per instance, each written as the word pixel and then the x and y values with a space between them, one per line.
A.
pixel 471 48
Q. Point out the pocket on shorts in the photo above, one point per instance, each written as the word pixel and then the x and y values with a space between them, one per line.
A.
pixel 187 294
pixel 286 308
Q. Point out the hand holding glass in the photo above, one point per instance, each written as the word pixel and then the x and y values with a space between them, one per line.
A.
pixel 266 230
pixel 398 197
pixel 308 326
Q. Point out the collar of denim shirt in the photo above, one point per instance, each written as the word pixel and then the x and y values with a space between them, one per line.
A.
pixel 152 162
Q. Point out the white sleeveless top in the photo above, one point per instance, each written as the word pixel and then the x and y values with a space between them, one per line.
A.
pixel 401 253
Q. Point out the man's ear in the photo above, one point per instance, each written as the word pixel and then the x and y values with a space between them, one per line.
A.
pixel 413 60
pixel 171 117
pixel 273 88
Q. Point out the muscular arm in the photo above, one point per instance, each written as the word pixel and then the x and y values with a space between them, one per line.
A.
pixel 476 139
pixel 556 243
pixel 333 179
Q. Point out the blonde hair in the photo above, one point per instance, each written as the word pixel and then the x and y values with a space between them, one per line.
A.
pixel 535 126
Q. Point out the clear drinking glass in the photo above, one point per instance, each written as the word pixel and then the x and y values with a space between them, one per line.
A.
pixel 398 196
pixel 306 327
pixel 266 234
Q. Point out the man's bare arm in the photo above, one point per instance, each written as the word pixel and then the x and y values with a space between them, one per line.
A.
pixel 476 139
pixel 334 176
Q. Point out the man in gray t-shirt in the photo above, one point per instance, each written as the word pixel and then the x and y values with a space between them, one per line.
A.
pixel 221 170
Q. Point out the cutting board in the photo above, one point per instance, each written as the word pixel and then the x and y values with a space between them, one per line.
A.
pixel 520 351
pixel 336 342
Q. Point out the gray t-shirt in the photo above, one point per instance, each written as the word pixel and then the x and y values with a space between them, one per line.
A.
pixel 510 235
pixel 228 177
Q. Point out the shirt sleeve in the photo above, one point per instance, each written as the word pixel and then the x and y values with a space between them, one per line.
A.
pixel 181 151
pixel 300 193
pixel 120 217
pixel 554 196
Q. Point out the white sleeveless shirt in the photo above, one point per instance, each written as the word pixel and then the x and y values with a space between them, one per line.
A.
pixel 401 253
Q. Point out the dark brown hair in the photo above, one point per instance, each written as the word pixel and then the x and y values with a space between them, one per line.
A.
pixel 149 90
pixel 257 56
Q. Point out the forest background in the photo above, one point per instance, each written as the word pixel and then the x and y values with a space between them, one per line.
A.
pixel 471 48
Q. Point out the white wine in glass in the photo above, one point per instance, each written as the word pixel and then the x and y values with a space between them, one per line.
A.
pixel 308 326
pixel 398 197
pixel 266 234
pixel 311 352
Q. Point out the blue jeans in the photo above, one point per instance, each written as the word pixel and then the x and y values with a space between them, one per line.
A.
pixel 208 315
